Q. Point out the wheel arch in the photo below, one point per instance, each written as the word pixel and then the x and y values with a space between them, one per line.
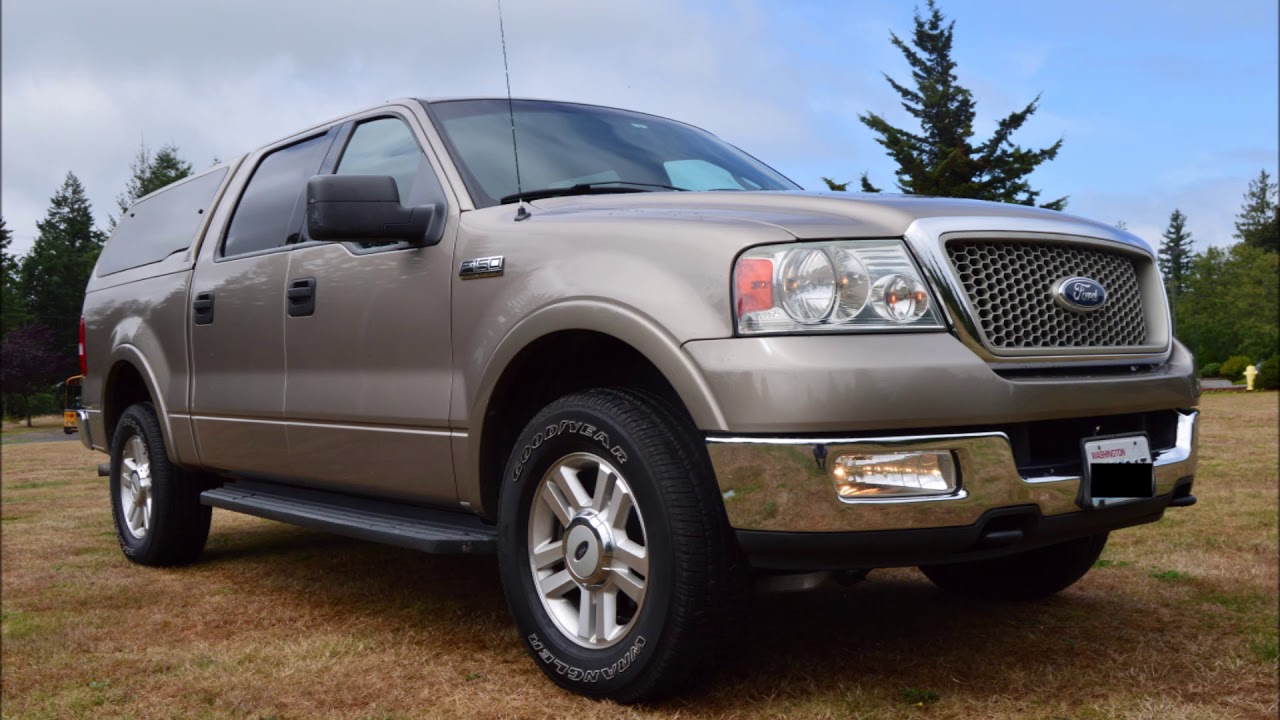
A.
pixel 130 380
pixel 535 364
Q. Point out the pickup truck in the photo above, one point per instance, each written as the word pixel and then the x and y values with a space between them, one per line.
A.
pixel 641 366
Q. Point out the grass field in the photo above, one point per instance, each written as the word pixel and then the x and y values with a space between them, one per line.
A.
pixel 1179 620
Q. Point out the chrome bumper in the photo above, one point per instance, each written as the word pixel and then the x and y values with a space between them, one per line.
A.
pixel 82 423
pixel 775 484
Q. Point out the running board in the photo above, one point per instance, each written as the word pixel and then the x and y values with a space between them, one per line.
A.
pixel 419 528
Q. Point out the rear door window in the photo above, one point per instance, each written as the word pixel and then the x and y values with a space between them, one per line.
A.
pixel 270 211
pixel 162 224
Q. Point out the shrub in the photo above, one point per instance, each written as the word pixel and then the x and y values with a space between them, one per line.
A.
pixel 1269 373
pixel 1233 368
pixel 1210 370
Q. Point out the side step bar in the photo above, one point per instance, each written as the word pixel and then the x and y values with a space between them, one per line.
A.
pixel 419 528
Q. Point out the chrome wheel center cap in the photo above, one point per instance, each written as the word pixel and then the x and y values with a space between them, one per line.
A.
pixel 588 546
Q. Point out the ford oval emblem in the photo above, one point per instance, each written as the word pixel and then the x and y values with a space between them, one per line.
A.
pixel 1080 294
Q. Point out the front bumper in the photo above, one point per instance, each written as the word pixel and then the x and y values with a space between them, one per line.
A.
pixel 774 486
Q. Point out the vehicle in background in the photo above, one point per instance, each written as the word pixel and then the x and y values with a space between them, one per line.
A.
pixel 71 389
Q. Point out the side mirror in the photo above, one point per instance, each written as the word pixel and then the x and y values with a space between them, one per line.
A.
pixel 367 208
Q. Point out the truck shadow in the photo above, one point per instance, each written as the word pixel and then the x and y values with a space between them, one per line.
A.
pixel 891 632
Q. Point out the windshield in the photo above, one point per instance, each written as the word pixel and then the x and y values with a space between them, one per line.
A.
pixel 562 145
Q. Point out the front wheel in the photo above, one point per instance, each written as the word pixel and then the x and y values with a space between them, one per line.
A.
pixel 617 560
pixel 1027 575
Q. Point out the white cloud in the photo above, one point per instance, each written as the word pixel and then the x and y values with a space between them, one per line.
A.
pixel 84 81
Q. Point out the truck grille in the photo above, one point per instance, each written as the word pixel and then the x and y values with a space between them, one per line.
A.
pixel 1010 288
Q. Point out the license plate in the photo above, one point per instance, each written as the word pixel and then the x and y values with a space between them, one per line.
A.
pixel 1116 470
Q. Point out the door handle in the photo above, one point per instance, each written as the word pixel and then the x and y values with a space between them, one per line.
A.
pixel 203 308
pixel 300 298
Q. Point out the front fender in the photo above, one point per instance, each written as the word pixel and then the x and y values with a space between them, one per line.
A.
pixel 628 325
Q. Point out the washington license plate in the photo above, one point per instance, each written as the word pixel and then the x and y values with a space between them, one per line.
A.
pixel 1116 470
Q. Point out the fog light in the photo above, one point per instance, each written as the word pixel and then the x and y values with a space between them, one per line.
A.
pixel 903 474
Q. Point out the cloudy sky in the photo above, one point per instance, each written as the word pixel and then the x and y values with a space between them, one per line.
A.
pixel 1162 104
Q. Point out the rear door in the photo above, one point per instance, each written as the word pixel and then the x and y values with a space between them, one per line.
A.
pixel 369 359
pixel 237 314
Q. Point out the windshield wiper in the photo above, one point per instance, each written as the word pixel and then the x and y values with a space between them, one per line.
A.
pixel 602 187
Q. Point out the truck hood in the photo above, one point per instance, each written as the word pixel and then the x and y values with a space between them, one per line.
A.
pixel 805 215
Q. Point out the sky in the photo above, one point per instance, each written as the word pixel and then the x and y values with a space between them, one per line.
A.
pixel 1161 104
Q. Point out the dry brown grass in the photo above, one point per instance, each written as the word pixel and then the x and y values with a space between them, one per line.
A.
pixel 1178 622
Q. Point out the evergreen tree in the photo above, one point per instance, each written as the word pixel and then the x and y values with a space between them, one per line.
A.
pixel 1175 255
pixel 1258 223
pixel 13 311
pixel 150 173
pixel 941 159
pixel 53 275
pixel 833 185
pixel 1230 304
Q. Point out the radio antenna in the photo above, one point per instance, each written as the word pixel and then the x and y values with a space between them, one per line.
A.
pixel 511 112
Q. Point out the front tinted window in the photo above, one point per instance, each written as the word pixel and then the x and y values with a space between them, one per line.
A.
pixel 161 225
pixel 562 144
pixel 386 146
pixel 269 208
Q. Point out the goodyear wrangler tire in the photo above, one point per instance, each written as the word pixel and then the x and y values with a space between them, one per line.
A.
pixel 1028 575
pixel 156 505
pixel 617 560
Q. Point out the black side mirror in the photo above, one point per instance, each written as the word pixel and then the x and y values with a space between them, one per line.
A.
pixel 367 208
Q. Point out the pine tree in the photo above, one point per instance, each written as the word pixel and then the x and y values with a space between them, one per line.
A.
pixel 1175 255
pixel 149 173
pixel 1258 223
pixel 13 310
pixel 54 274
pixel 941 160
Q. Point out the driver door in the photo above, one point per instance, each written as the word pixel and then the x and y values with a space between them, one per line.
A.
pixel 369 367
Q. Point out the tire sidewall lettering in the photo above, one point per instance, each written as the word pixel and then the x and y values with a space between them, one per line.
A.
pixel 579 428
pixel 577 674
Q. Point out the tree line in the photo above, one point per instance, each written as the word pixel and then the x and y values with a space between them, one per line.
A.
pixel 42 293
pixel 1226 300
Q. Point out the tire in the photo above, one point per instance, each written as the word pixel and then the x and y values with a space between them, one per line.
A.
pixel 167 525
pixel 1028 575
pixel 669 612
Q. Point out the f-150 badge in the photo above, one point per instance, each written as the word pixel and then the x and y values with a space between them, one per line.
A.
pixel 481 268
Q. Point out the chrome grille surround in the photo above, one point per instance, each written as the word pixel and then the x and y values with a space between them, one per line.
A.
pixel 928 237
pixel 1010 285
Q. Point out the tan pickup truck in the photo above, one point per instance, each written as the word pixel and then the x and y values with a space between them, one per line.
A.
pixel 638 364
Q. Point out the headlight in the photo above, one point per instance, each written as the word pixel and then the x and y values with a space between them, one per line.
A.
pixel 831 287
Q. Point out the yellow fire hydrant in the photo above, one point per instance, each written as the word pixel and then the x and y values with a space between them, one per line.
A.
pixel 1250 372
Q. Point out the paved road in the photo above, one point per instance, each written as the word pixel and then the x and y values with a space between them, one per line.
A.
pixel 37 436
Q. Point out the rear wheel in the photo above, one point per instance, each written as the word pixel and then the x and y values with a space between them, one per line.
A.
pixel 617 560
pixel 156 505
pixel 1026 575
